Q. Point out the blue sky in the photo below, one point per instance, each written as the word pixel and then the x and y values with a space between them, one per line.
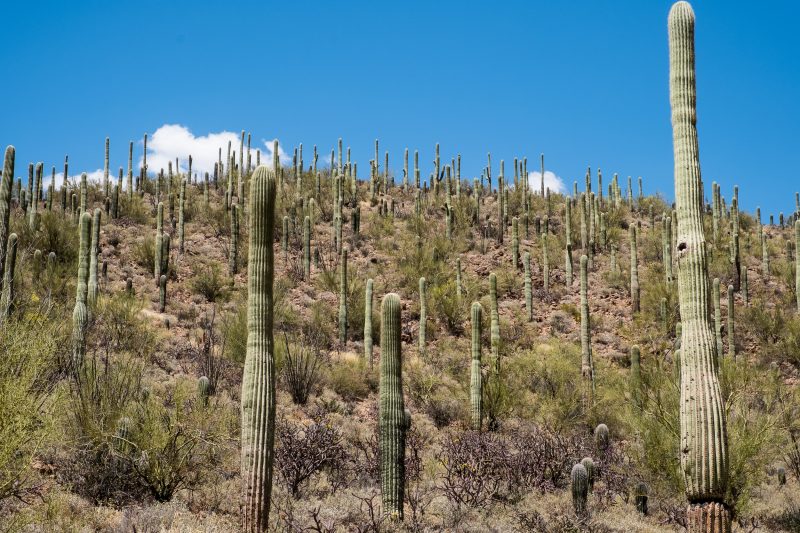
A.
pixel 584 82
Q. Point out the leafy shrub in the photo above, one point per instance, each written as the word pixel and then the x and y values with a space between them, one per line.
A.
pixel 209 282
pixel 144 252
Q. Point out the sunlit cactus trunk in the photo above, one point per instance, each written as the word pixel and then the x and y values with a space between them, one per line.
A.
pixel 6 183
pixel 476 378
pixel 258 383
pixel 703 433
pixel 391 412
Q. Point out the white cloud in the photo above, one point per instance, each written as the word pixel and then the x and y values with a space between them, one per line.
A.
pixel 172 141
pixel 551 181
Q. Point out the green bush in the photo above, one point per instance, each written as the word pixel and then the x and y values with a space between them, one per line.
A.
pixel 209 282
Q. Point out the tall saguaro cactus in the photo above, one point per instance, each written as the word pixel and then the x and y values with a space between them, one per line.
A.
pixel 5 205
pixel 703 432
pixel 343 297
pixel 476 379
pixel 391 412
pixel 258 383
pixel 80 315
pixel 587 367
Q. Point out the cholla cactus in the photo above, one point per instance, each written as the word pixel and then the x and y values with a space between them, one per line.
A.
pixel 704 450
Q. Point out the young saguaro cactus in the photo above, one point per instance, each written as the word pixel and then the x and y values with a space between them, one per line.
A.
pixel 258 382
pixel 703 432
pixel 368 322
pixel 391 412
pixel 580 489
pixel 476 379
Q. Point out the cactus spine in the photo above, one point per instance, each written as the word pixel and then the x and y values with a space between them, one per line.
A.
pixel 368 322
pixel 343 297
pixel 391 414
pixel 258 383
pixel 704 453
pixel 91 295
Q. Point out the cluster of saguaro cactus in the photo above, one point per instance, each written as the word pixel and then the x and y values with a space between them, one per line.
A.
pixel 703 433
pixel 258 382
pixel 391 412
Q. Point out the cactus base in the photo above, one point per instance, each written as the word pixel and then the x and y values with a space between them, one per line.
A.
pixel 710 517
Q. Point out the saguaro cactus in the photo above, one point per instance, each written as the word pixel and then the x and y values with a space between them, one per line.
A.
pixel 233 253
pixel 258 383
pixel 368 322
pixel 307 248
pixel 715 298
pixel 6 183
pixel 796 257
pixel 526 262
pixel 641 494
pixel 731 324
pixel 391 412
pixel 476 379
pixel 580 488
pixel 162 293
pixel 423 314
pixel 181 204
pixel 91 295
pixel 635 291
pixel 343 297
pixel 587 366
pixel 80 316
pixel 704 448
pixel 7 299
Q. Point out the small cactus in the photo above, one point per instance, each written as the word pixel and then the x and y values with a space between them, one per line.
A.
pixel 580 489
pixel 203 390
pixel 588 464
pixel 602 440
pixel 640 496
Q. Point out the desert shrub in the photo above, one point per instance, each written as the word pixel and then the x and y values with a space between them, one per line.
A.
pixel 474 467
pixel 778 332
pixel 445 306
pixel 27 402
pixel 302 364
pixel 304 449
pixel 135 210
pixel 174 443
pixel 233 331
pixel 143 252
pixel 209 282
pixel 351 380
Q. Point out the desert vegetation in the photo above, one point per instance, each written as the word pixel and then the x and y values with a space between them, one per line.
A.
pixel 275 347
